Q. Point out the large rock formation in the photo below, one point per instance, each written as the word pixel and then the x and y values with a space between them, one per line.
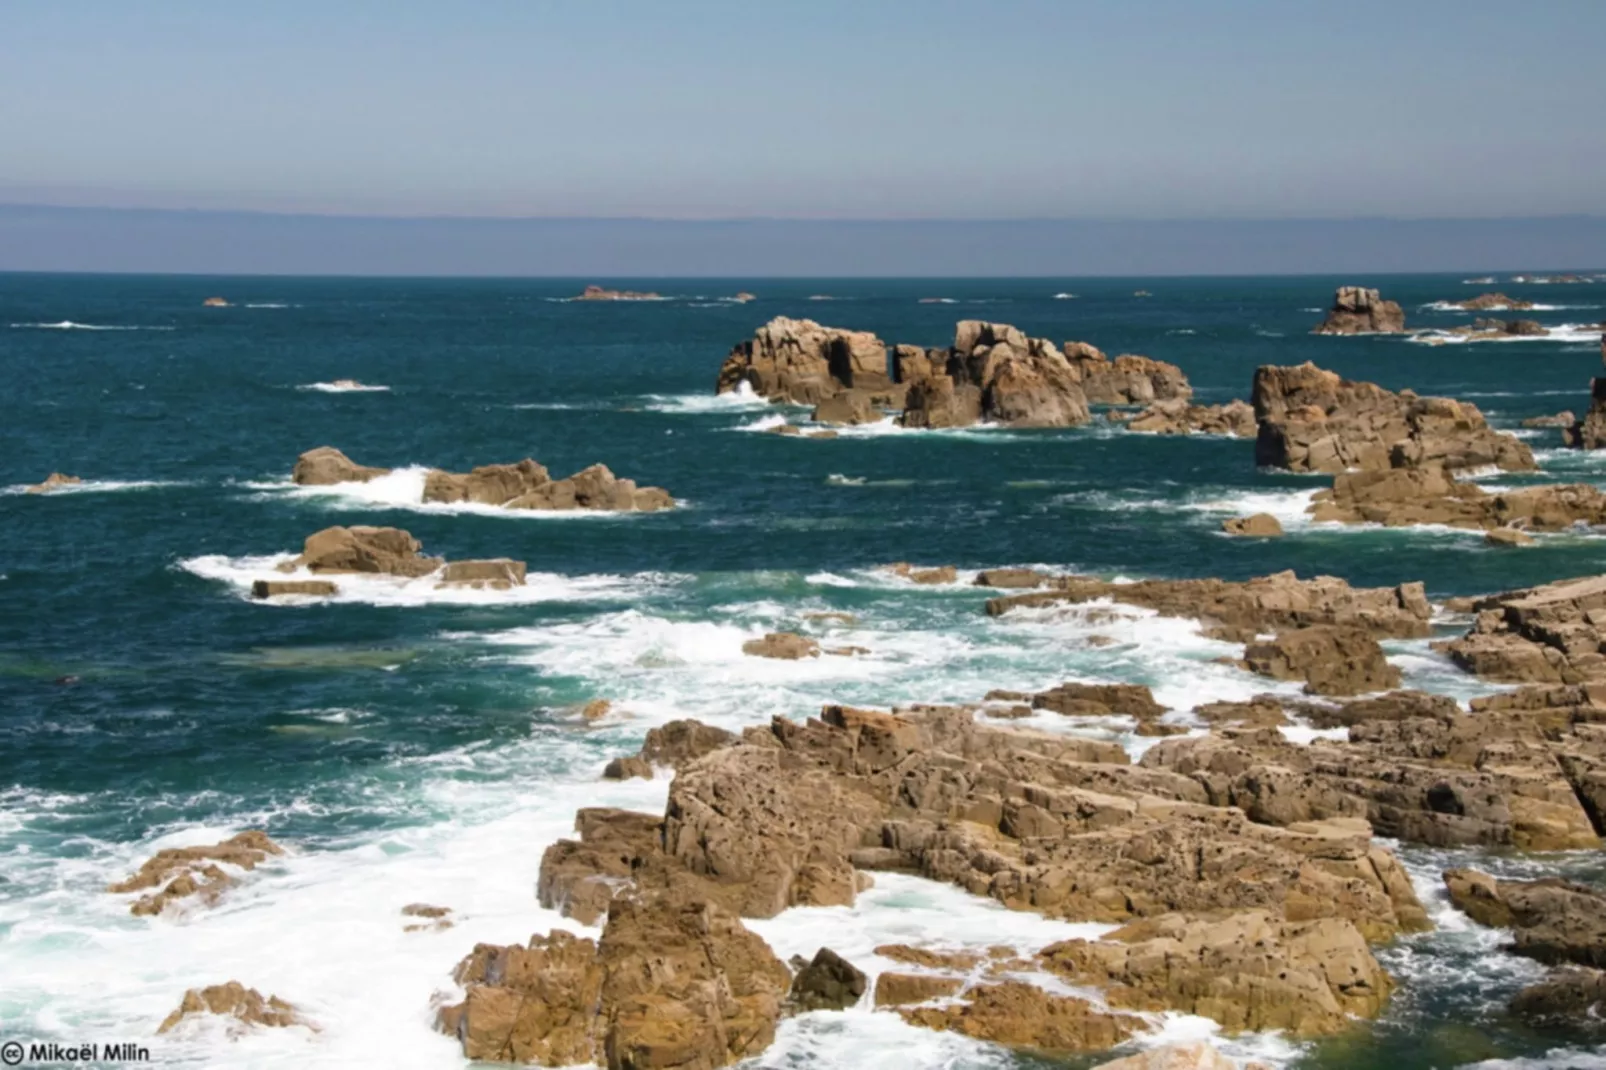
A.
pixel 1128 379
pixel 181 872
pixel 802 362
pixel 1238 612
pixel 993 373
pixel 360 549
pixel 674 983
pixel 1311 420
pixel 326 465
pixel 1357 310
pixel 527 485
pixel 1549 634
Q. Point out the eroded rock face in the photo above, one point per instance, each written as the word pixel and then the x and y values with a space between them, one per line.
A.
pixel 802 362
pixel 182 872
pixel 1311 420
pixel 1357 310
pixel 994 373
pixel 1235 418
pixel 672 983
pixel 1126 380
pixel 1249 971
pixel 1240 611
pixel 1549 634
pixel 359 549
pixel 234 1000
pixel 1332 660
pixel 1552 920
pixel 326 465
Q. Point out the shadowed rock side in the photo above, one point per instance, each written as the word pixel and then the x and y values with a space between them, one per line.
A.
pixel 1590 432
pixel 802 362
pixel 521 485
pixel 1311 420
pixel 1357 310
pixel 993 373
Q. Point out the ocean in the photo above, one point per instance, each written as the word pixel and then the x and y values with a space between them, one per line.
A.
pixel 413 745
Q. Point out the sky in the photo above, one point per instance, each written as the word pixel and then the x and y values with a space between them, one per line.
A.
pixel 826 109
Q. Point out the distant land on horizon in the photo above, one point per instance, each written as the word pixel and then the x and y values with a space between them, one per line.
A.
pixel 206 242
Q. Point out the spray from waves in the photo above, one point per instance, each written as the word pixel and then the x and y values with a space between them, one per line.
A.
pixel 95 486
pixel 1451 306
pixel 341 386
pixel 271 304
pixel 1064 297
pixel 1289 507
pixel 69 325
pixel 741 399
pixel 239 573
pixel 403 488
pixel 1561 332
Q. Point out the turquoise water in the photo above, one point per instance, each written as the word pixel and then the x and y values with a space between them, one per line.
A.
pixel 409 745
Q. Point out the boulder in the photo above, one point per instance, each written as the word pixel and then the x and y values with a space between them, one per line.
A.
pixel 284 588
pixel 1177 417
pixel 234 1000
pixel 671 983
pixel 800 361
pixel 1552 920
pixel 1127 380
pixel 1239 611
pixel 385 551
pixel 1508 537
pixel 1258 525
pixel 326 465
pixel 626 769
pixel 180 872
pixel 1357 310
pixel 827 983
pixel 497 574
pixel 1311 420
pixel 994 373
pixel 1010 577
pixel 1332 660
pixel 849 407
pixel 54 481
pixel 787 646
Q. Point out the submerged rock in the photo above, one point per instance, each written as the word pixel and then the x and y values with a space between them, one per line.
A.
pixel 1357 310
pixel 926 576
pixel 787 646
pixel 234 1000
pixel 54 481
pixel 181 872
pixel 1489 301
pixel 282 588
pixel 497 574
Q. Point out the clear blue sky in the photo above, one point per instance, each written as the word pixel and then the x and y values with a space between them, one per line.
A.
pixel 695 109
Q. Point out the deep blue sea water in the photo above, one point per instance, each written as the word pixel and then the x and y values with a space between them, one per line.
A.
pixel 410 745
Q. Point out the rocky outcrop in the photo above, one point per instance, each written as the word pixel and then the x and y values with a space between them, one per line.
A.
pixel 1019 1015
pixel 1492 301
pixel 1010 578
pixel 495 574
pixel 1311 420
pixel 382 551
pixel 1126 380
pixel 1495 330
pixel 1235 419
pixel 1446 780
pixel 1551 920
pixel 1562 419
pixel 788 646
pixel 527 485
pixel 246 1006
pixel 326 466
pixel 292 588
pixel 1239 611
pixel 182 872
pixel 1573 995
pixel 828 982
pixel 674 983
pixel 925 576
pixel 1331 659
pixel 1590 432
pixel 1398 497
pixel 602 293
pixel 800 361
pixel 1259 525
pixel 1099 700
pixel 1357 310
pixel 993 373
pixel 1549 634
pixel 53 482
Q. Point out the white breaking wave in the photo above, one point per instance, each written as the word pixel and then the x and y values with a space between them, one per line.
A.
pixel 1561 332
pixel 69 325
pixel 94 486
pixel 1451 306
pixel 1064 297
pixel 345 388
pixel 239 573
pixel 271 304
pixel 741 399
